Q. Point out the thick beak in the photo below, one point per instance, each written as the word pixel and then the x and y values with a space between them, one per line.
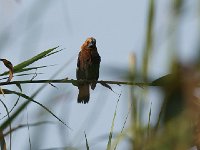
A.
pixel 91 44
pixel 1 59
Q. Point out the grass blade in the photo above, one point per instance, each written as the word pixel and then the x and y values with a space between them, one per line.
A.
pixel 2 141
pixel 21 108
pixel 120 136
pixel 12 117
pixel 32 100
pixel 26 63
pixel 87 145
pixel 21 126
pixel 11 108
pixel 149 38
pixel 4 105
pixel 112 127
pixel 31 68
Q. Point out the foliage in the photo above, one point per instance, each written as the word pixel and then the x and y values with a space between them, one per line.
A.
pixel 177 124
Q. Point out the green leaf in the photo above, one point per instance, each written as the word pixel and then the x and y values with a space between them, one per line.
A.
pixel 3 143
pixel 149 38
pixel 12 108
pixel 112 127
pixel 23 74
pixel 31 68
pixel 12 117
pixel 19 86
pixel 53 53
pixel 21 126
pixel 6 91
pixel 26 63
pixel 166 80
pixel 121 134
pixel 21 108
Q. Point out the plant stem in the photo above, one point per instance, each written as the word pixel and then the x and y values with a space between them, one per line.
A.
pixel 76 82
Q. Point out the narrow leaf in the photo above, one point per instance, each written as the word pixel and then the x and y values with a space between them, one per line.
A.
pixel 4 105
pixel 30 68
pixel 9 65
pixel 124 125
pixel 112 127
pixel 2 141
pixel 2 92
pixel 21 108
pixel 23 74
pixel 149 38
pixel 53 53
pixel 53 85
pixel 13 116
pixel 30 99
pixel 107 86
pixel 87 145
pixel 21 126
pixel 19 86
pixel 164 80
pixel 12 108
pixel 26 63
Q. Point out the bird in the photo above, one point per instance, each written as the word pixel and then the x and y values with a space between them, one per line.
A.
pixel 88 65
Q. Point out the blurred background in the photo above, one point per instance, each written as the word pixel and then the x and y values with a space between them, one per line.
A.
pixel 137 40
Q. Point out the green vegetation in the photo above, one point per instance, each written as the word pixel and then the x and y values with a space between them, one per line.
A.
pixel 177 125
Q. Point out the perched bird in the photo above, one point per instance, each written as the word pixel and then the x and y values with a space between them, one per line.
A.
pixel 87 69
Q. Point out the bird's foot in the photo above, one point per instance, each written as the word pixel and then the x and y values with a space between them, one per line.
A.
pixel 93 84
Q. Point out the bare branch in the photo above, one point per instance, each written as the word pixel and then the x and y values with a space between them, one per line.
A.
pixel 76 82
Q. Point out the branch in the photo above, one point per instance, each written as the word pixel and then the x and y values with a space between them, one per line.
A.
pixel 76 82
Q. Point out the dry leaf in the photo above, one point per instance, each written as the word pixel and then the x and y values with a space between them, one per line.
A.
pixel 2 92
pixel 106 85
pixel 9 65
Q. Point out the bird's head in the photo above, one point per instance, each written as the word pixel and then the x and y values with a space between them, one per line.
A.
pixel 90 42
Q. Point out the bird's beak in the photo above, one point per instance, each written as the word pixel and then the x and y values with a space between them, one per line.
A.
pixel 91 44
pixel 1 59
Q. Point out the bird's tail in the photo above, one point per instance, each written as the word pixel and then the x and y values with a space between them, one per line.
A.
pixel 84 94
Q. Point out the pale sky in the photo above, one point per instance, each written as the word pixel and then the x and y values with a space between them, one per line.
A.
pixel 30 27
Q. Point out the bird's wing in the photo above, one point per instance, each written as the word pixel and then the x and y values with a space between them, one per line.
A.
pixel 94 68
pixel 80 73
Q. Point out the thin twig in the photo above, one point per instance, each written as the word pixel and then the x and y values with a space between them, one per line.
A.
pixel 76 82
pixel 30 125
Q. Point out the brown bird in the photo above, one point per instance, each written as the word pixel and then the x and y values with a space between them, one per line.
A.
pixel 87 69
